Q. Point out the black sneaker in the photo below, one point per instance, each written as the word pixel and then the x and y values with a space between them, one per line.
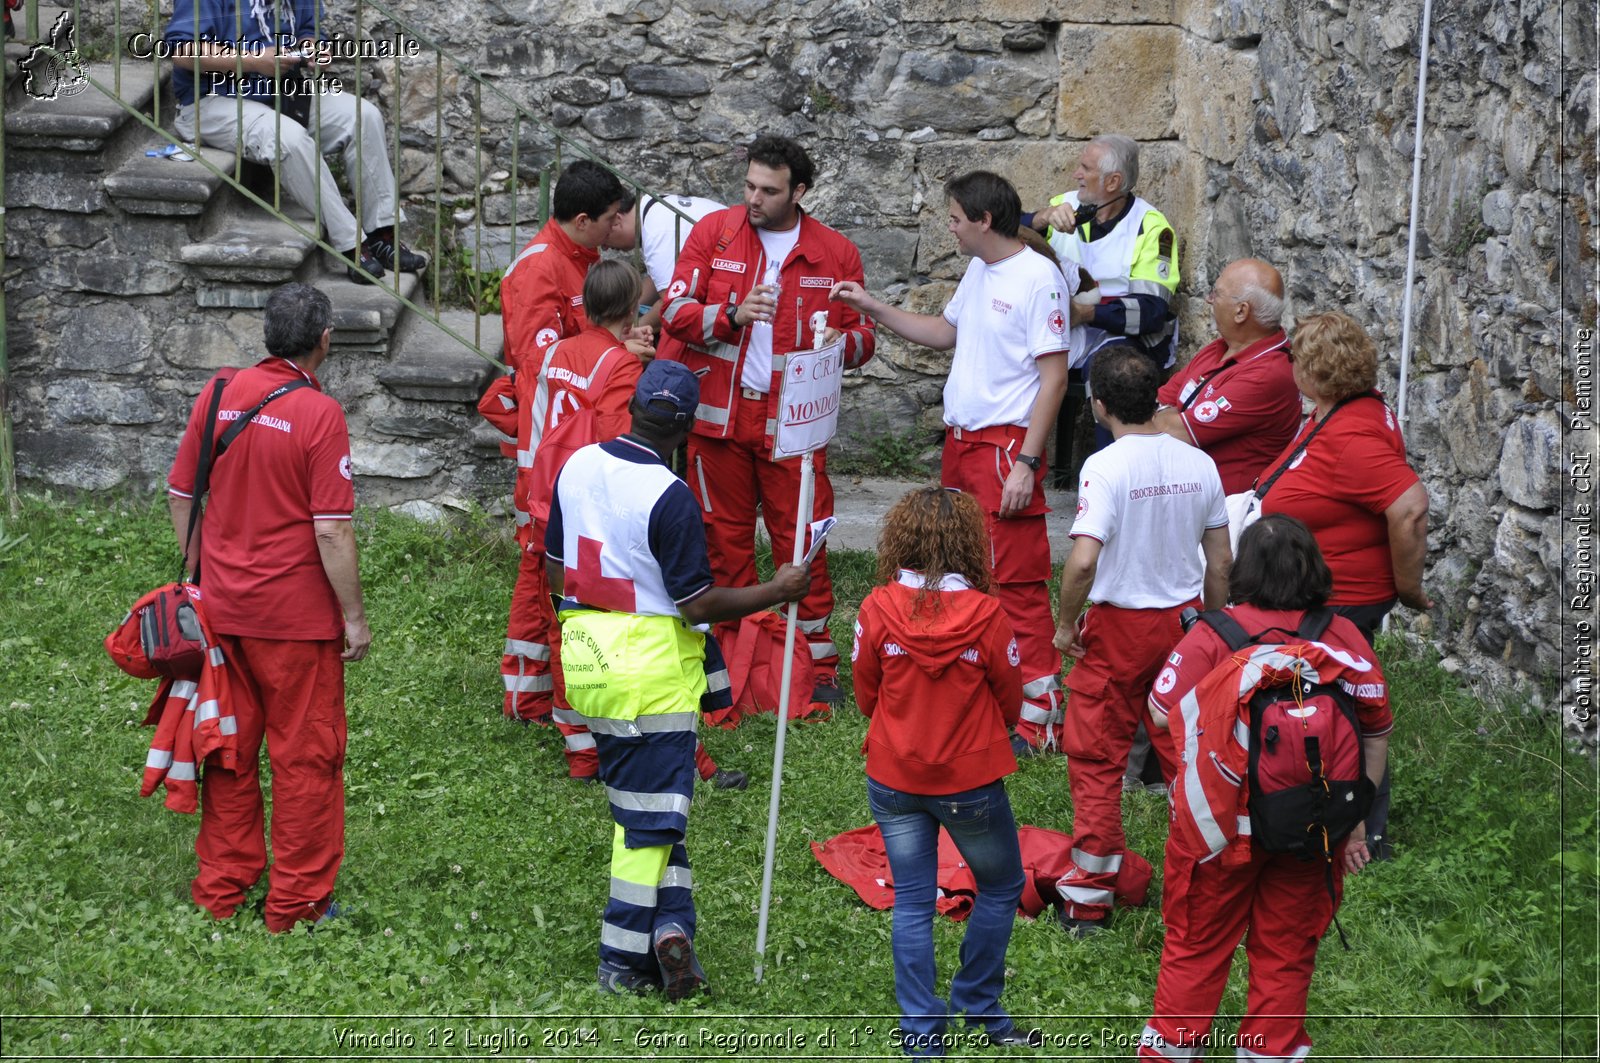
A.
pixel 369 271
pixel 827 690
pixel 1378 848
pixel 1081 928
pixel 387 251
pixel 1023 749
pixel 729 779
pixel 681 973
pixel 1016 1037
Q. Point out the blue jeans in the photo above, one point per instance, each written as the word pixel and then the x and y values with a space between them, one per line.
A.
pixel 981 825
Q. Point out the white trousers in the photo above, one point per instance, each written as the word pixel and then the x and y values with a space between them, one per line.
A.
pixel 342 121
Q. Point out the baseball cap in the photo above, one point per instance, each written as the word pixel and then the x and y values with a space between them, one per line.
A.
pixel 669 383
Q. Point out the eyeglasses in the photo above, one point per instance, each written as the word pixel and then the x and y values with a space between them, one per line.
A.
pixel 1214 296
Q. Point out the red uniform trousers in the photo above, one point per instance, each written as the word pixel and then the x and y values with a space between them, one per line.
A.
pixel 1283 903
pixel 1108 694
pixel 731 477
pixel 291 693
pixel 978 463
pixel 526 666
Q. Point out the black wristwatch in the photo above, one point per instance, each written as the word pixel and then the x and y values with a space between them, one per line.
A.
pixel 731 313
pixel 1029 460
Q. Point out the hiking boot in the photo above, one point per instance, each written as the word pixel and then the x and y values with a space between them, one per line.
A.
pixel 729 779
pixel 368 271
pixel 1131 785
pixel 617 980
pixel 681 973
pixel 388 251
pixel 588 780
pixel 1378 848
pixel 1081 928
pixel 827 691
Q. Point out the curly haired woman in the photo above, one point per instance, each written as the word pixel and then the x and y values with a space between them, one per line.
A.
pixel 937 670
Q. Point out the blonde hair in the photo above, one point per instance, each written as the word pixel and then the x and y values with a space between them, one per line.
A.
pixel 1335 355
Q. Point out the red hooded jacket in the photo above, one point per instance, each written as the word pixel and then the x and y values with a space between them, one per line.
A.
pixel 941 687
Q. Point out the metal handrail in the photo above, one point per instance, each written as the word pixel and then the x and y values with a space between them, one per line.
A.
pixel 563 144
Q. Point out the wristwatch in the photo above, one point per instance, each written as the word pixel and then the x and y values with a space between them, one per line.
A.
pixel 1029 460
pixel 731 313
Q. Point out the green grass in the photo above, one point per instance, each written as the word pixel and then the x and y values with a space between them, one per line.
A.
pixel 476 872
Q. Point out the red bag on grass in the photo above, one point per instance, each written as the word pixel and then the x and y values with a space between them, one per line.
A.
pixel 755 672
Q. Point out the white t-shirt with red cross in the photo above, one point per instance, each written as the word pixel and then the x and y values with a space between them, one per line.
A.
pixel 1149 498
pixel 1007 314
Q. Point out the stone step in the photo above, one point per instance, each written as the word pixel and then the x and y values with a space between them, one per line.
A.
pixel 249 248
pixel 371 307
pixel 87 120
pixel 431 365
pixel 162 186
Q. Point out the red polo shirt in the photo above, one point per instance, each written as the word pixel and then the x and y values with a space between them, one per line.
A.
pixel 1340 487
pixel 260 567
pixel 1247 410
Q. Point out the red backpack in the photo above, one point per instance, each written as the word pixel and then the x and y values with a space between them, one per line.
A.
pixel 1307 786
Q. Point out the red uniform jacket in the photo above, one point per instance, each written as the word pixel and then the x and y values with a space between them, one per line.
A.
pixel 591 372
pixel 193 719
pixel 941 687
pixel 720 263
pixel 541 297
pixel 857 858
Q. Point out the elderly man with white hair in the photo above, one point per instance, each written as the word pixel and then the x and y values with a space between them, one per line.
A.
pixel 1236 399
pixel 1131 251
pixel 1126 244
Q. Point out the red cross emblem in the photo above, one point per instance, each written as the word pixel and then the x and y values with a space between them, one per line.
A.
pixel 590 586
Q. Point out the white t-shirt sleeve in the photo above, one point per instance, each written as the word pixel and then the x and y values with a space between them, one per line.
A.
pixel 1216 498
pixel 952 309
pixel 1047 313
pixel 1096 515
pixel 656 243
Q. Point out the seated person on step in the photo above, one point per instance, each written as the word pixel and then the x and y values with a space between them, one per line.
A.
pixel 253 60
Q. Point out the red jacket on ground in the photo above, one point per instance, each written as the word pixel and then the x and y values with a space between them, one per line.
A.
pixel 941 687
pixel 541 297
pixel 722 260
pixel 857 858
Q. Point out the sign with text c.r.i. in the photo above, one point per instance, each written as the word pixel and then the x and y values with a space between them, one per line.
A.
pixel 808 403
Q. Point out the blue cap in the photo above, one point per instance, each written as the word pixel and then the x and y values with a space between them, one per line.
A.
pixel 672 383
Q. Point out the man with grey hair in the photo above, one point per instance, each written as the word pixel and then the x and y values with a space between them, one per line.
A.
pixel 1130 250
pixel 1125 244
pixel 1236 399
pixel 276 562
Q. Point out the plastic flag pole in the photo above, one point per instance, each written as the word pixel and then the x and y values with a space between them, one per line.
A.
pixel 819 322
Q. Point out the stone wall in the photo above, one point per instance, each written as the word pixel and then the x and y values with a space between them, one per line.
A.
pixel 1279 128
